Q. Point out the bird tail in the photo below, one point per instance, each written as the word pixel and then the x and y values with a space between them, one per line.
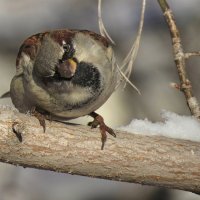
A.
pixel 5 95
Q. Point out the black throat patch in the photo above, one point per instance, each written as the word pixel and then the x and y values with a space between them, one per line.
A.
pixel 87 76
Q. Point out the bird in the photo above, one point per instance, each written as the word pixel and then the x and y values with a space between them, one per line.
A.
pixel 69 73
pixel 65 74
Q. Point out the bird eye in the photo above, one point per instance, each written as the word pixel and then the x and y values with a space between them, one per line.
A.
pixel 66 47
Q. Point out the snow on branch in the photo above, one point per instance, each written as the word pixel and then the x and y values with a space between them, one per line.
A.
pixel 75 149
pixel 172 125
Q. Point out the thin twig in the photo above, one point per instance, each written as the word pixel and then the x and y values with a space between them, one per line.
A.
pixel 179 58
pixel 102 28
pixel 75 149
pixel 190 54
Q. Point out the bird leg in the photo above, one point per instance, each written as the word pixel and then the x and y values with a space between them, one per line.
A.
pixel 41 117
pixel 99 121
pixel 18 127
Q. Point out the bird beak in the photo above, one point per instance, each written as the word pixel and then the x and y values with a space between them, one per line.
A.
pixel 67 68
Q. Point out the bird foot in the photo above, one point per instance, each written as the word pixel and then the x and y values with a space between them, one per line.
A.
pixel 99 121
pixel 41 117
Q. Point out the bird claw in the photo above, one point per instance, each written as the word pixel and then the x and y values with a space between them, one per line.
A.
pixel 93 124
pixel 41 117
pixel 99 121
pixel 103 129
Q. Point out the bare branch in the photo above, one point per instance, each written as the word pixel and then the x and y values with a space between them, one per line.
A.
pixel 75 149
pixel 179 58
pixel 188 55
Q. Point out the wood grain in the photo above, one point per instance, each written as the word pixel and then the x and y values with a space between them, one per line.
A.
pixel 75 149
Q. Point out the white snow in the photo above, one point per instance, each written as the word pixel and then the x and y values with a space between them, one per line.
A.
pixel 173 125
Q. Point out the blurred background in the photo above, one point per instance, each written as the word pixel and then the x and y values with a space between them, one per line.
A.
pixel 153 71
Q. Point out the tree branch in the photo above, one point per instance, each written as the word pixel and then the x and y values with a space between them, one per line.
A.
pixel 179 58
pixel 75 149
pixel 190 54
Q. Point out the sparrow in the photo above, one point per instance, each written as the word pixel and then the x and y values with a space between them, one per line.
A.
pixel 65 74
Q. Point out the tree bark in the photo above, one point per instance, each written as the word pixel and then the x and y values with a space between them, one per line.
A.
pixel 75 149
